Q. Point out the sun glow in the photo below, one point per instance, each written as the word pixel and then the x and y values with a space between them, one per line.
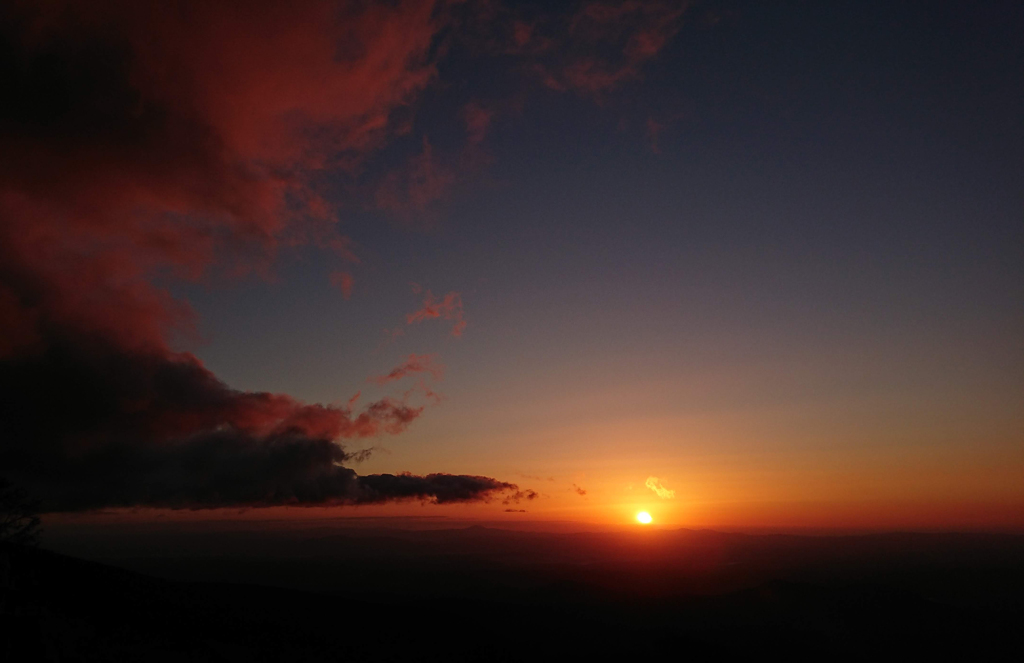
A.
pixel 644 518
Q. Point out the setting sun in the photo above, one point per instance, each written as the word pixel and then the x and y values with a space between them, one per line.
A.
pixel 644 518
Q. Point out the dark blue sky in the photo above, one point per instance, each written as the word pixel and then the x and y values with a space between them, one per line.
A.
pixel 849 172
pixel 749 264
pixel 821 251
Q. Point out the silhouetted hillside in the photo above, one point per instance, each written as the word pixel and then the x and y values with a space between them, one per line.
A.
pixel 488 594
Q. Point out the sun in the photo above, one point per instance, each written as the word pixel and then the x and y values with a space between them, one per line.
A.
pixel 644 518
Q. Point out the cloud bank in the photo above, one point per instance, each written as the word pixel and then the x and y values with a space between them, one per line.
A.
pixel 145 141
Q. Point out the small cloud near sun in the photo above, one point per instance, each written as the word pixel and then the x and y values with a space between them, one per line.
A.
pixel 655 484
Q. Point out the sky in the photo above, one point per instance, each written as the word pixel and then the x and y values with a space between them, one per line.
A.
pixel 737 264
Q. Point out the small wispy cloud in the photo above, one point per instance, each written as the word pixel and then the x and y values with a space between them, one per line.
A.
pixel 449 308
pixel 661 491
pixel 412 365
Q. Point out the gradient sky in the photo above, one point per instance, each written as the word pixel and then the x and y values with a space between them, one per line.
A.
pixel 769 253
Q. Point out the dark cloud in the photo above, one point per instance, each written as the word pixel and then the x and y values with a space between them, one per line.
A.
pixel 147 140
pixel 86 424
pixel 578 490
pixel 515 497
pixel 440 488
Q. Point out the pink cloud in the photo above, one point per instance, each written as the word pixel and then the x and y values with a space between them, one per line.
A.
pixel 414 364
pixel 343 281
pixel 448 307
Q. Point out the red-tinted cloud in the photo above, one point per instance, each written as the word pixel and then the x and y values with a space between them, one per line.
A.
pixel 604 44
pixel 654 130
pixel 522 33
pixel 143 137
pixel 478 121
pixel 343 281
pixel 413 365
pixel 415 187
pixel 448 307
pixel 159 139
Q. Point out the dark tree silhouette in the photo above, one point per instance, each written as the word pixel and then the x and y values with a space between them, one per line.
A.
pixel 19 519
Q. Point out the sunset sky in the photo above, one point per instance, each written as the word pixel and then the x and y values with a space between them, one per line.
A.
pixel 770 255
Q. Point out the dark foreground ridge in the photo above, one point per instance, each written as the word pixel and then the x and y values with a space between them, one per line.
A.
pixel 494 595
